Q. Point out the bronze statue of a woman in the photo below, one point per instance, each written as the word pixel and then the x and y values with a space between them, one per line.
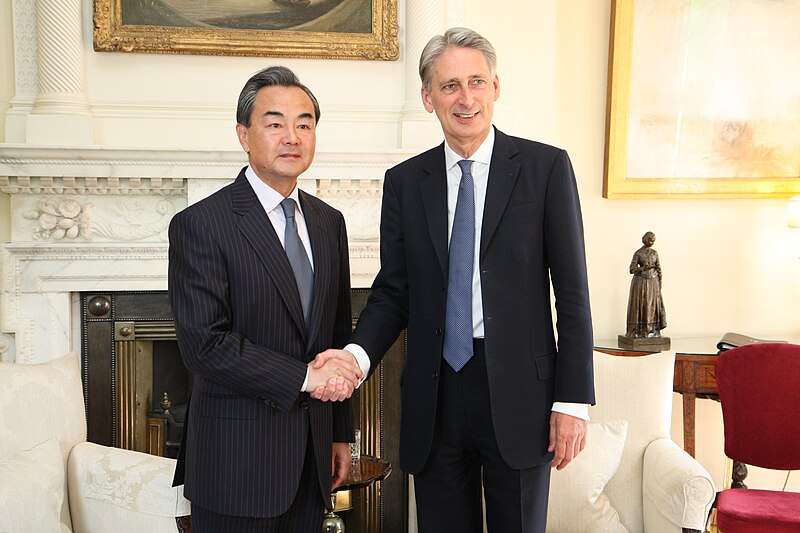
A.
pixel 646 314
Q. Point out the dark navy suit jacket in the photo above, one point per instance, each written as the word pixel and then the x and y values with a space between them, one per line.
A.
pixel 532 233
pixel 241 331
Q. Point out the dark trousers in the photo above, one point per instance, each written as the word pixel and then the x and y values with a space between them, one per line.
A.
pixel 465 456
pixel 303 516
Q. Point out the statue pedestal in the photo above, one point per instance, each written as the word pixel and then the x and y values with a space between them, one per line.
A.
pixel 650 344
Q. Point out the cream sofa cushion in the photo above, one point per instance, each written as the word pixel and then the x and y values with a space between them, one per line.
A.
pixel 32 490
pixel 577 503
pixel 123 481
pixel 41 401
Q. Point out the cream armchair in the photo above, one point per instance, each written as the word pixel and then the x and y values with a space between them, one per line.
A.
pixel 52 480
pixel 631 477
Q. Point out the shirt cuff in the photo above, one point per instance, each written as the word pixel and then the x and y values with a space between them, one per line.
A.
pixel 578 410
pixel 305 381
pixel 361 358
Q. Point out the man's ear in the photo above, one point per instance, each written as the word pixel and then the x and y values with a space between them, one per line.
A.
pixel 496 83
pixel 241 133
pixel 426 100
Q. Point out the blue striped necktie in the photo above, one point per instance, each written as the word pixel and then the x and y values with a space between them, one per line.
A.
pixel 298 258
pixel 458 313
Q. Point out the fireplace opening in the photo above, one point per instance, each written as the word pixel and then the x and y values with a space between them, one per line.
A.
pixel 135 384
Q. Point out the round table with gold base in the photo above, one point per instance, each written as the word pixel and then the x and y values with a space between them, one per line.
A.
pixel 362 473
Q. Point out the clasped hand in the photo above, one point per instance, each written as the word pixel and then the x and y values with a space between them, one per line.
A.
pixel 333 375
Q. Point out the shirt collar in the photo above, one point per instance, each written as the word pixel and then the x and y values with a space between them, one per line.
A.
pixel 482 155
pixel 269 197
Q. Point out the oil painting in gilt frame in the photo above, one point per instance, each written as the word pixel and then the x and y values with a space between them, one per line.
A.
pixel 703 99
pixel 326 29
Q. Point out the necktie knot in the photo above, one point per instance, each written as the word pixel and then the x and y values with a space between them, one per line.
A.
pixel 289 206
pixel 466 167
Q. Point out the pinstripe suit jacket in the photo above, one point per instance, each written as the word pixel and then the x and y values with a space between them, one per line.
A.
pixel 240 329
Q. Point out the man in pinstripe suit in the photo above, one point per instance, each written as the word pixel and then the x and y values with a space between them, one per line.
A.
pixel 259 454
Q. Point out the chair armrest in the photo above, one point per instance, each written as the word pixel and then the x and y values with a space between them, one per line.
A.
pixel 675 486
pixel 111 489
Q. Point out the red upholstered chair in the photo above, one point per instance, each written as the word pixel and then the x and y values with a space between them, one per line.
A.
pixel 759 388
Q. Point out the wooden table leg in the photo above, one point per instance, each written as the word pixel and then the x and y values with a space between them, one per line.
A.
pixel 688 422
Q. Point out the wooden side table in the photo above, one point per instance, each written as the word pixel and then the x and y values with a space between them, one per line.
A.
pixel 362 473
pixel 695 375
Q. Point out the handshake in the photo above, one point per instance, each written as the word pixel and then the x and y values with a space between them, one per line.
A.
pixel 333 375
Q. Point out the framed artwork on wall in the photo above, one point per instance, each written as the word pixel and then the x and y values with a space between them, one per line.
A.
pixel 325 29
pixel 703 99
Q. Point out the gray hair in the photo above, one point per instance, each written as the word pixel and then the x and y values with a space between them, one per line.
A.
pixel 269 77
pixel 461 37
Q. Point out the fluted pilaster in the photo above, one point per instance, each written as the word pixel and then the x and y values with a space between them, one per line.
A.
pixel 61 113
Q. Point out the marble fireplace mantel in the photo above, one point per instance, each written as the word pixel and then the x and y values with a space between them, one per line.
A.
pixel 95 219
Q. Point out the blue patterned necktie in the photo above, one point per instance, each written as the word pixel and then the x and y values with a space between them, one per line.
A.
pixel 458 313
pixel 298 258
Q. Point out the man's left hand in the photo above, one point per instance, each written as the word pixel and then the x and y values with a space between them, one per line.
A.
pixel 567 438
pixel 340 463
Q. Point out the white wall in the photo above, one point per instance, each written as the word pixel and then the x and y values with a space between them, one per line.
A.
pixel 729 265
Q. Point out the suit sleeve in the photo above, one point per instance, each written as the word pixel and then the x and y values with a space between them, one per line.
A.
pixel 198 292
pixel 343 424
pixel 386 313
pixel 567 263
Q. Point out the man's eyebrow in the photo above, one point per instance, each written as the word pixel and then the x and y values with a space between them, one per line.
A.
pixel 456 79
pixel 273 114
pixel 306 115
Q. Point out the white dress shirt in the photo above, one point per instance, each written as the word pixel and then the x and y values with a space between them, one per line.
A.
pixel 271 202
pixel 481 161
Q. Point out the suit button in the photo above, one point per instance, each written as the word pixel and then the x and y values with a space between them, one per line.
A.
pixel 271 403
pixel 435 375
pixel 304 405
pixel 438 332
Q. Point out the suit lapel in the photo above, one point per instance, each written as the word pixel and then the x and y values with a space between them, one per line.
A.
pixel 321 251
pixel 503 174
pixel 433 188
pixel 255 226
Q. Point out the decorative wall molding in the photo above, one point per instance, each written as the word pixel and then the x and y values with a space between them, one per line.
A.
pixel 114 219
pixel 18 160
pixel 349 188
pixel 61 185
pixel 96 219
pixel 25 64
pixel 6 348
pixel 38 283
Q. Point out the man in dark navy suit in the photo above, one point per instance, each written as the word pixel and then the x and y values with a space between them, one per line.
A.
pixel 259 283
pixel 473 232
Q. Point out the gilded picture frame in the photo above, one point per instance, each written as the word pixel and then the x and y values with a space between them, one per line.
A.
pixel 703 103
pixel 322 29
